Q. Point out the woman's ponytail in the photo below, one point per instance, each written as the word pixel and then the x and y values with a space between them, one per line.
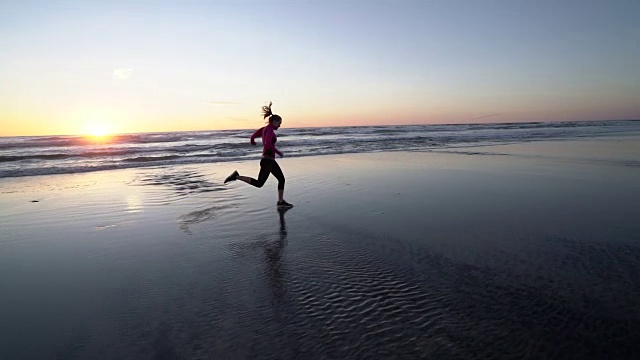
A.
pixel 266 111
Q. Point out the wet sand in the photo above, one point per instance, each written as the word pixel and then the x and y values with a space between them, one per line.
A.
pixel 512 251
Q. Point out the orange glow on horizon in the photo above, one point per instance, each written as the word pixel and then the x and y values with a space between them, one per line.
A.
pixel 98 139
pixel 97 132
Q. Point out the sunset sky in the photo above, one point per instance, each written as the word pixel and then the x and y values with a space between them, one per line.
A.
pixel 71 67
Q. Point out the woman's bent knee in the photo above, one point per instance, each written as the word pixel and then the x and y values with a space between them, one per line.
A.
pixel 257 183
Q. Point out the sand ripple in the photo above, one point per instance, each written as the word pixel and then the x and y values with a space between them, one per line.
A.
pixel 372 299
pixel 283 294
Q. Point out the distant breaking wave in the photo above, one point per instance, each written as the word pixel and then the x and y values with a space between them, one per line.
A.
pixel 42 155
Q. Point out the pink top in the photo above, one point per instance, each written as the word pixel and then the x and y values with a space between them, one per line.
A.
pixel 268 141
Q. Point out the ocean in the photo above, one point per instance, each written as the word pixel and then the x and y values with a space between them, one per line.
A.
pixel 42 155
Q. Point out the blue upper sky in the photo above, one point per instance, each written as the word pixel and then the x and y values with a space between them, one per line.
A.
pixel 72 66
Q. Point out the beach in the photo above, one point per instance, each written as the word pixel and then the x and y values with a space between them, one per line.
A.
pixel 523 250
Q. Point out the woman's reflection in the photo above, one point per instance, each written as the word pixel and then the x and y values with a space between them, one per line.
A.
pixel 273 258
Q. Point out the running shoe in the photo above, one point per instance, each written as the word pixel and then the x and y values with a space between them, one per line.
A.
pixel 284 205
pixel 232 177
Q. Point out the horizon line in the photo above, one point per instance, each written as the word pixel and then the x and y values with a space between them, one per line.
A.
pixel 335 126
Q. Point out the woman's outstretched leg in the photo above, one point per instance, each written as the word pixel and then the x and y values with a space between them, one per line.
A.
pixel 267 166
pixel 245 179
pixel 236 176
pixel 232 177
pixel 265 169
pixel 262 178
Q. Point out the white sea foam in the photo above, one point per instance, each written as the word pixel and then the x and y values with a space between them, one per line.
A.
pixel 25 156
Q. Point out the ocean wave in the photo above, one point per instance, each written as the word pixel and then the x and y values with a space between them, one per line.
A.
pixel 152 158
pixel 25 156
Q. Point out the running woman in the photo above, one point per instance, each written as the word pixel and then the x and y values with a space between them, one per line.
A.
pixel 268 164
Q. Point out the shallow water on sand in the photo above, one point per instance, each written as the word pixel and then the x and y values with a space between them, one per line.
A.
pixel 463 256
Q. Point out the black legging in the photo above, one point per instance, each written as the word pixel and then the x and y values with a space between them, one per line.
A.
pixel 269 166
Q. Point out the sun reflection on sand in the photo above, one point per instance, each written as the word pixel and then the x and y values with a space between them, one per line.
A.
pixel 134 204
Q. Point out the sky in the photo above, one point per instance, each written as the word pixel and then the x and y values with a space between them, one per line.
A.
pixel 75 67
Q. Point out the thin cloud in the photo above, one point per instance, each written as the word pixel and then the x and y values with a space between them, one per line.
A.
pixel 221 103
pixel 122 73
pixel 486 116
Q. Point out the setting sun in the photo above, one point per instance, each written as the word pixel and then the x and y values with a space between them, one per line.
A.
pixel 97 131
